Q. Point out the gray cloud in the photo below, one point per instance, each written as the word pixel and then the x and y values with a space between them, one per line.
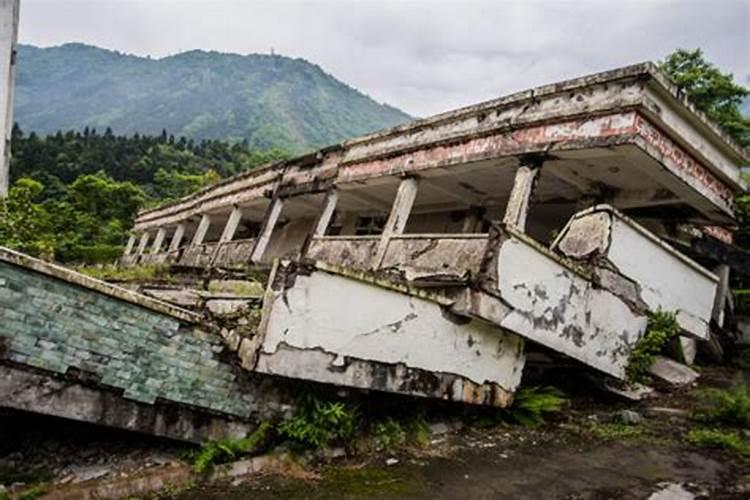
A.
pixel 422 56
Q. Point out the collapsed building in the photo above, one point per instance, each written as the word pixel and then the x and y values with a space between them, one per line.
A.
pixel 432 257
pixel 437 259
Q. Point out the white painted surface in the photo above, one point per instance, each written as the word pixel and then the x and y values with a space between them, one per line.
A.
pixel 517 209
pixel 200 232
pixel 387 327
pixel 329 206
pixel 559 309
pixel 666 281
pixel 158 240
pixel 396 223
pixel 231 226
pixel 179 232
pixel 266 231
pixel 9 10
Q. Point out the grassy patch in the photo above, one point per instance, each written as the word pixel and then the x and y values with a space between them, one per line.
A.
pixel 662 328
pixel 115 273
pixel 616 431
pixel 35 491
pixel 226 450
pixel 721 439
pixel 726 406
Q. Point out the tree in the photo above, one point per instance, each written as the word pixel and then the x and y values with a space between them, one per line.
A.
pixel 711 91
pixel 24 223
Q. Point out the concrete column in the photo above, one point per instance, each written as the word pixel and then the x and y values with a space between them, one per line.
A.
pixel 200 233
pixel 130 245
pixel 324 219
pixel 407 193
pixel 269 222
pixel 9 10
pixel 179 232
pixel 722 291
pixel 517 209
pixel 231 226
pixel 158 240
pixel 142 244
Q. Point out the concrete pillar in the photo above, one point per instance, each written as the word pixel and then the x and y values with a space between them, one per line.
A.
pixel 179 232
pixel 200 233
pixel 130 245
pixel 396 223
pixel 722 291
pixel 9 10
pixel 142 244
pixel 158 240
pixel 324 219
pixel 517 209
pixel 231 226
pixel 269 222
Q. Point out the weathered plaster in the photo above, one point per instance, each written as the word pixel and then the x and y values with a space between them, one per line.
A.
pixel 389 328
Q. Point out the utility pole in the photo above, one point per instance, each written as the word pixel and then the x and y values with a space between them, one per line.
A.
pixel 9 10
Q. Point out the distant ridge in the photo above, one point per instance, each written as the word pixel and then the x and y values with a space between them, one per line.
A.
pixel 268 100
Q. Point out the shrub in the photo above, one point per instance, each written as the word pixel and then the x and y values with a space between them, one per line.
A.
pixel 317 423
pixel 532 404
pixel 661 329
pixel 225 450
pixel 726 406
pixel 388 434
pixel 714 438
pixel 616 431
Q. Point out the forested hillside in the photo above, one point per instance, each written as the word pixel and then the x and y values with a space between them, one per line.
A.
pixel 269 101
pixel 75 194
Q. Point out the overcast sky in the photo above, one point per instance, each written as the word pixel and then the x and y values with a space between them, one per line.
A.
pixel 421 56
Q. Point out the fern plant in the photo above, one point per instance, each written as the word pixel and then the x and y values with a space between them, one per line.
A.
pixel 225 450
pixel 661 329
pixel 320 423
pixel 532 404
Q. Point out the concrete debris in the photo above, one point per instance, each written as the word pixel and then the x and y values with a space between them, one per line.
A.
pixel 672 491
pixel 391 461
pixel 672 372
pixel 632 391
pixel 658 411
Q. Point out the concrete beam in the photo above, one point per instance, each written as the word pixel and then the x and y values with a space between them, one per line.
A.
pixel 517 209
pixel 179 233
pixel 269 222
pixel 200 233
pixel 232 223
pixel 402 205
pixel 130 245
pixel 324 220
pixel 9 11
pixel 142 244
pixel 158 240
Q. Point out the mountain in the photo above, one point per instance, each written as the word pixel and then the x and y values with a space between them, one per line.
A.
pixel 269 100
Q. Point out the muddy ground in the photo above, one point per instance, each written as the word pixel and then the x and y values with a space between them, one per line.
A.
pixel 585 452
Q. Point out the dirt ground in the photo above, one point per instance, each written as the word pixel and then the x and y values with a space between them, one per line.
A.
pixel 585 452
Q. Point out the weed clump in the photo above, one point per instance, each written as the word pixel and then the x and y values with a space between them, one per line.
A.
pixel 726 406
pixel 722 439
pixel 225 450
pixel 531 405
pixel 662 328
pixel 321 423
pixel 615 431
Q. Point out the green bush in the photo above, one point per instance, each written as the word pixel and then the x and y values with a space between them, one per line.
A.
pixel 321 423
pixel 225 450
pixel 388 433
pixel 715 438
pixel 662 328
pixel 532 404
pixel 726 406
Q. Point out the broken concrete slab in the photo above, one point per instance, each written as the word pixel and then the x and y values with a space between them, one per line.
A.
pixel 672 372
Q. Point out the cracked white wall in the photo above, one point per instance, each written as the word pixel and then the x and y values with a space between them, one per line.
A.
pixel 324 318
pixel 554 306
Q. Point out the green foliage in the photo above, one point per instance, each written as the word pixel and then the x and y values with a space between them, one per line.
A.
pixel 217 452
pixel 715 438
pixel 728 407
pixel 532 404
pixel 710 90
pixel 75 196
pixel 742 210
pixel 614 431
pixel 388 433
pixel 321 423
pixel 661 329
pixel 34 492
pixel 256 100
